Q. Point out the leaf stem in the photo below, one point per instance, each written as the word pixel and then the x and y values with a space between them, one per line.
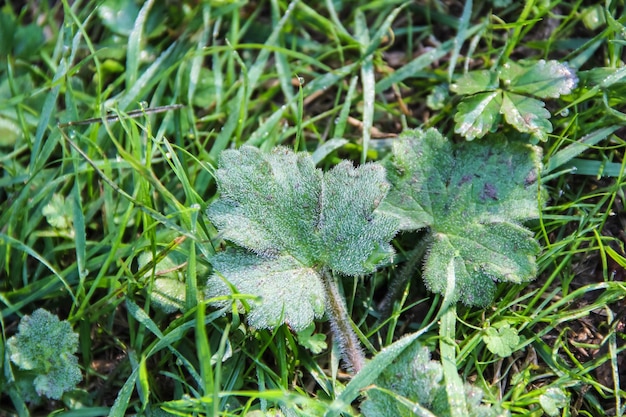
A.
pixel 341 324
pixel 399 281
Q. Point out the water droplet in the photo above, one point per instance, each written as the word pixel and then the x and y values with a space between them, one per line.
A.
pixel 564 113
pixel 301 80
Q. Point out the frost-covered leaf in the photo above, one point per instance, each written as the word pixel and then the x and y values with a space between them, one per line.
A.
pixel 501 340
pixel 60 379
pixel 478 114
pixel 475 81
pixel 287 292
pixel 472 197
pixel 58 212
pixel 296 221
pixel 541 79
pixel 526 114
pixel 45 346
pixel 413 386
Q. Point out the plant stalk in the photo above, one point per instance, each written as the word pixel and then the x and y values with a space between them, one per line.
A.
pixel 341 325
pixel 399 281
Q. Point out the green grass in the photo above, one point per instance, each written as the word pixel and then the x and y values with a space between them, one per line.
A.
pixel 80 204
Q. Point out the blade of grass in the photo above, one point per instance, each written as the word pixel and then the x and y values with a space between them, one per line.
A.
pixel 460 37
pixel 569 152
pixel 8 240
pixel 135 40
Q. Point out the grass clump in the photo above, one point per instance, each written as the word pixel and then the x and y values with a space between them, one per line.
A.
pixel 103 223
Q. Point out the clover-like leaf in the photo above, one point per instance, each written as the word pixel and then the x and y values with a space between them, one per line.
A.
pixel 541 79
pixel 526 114
pixel 472 197
pixel 475 81
pixel 509 92
pixel 294 222
pixel 501 340
pixel 315 342
pixel 478 114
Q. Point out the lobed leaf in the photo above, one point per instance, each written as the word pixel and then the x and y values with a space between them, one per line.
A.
pixel 295 220
pixel 45 346
pixel 478 114
pixel 472 197
pixel 475 82
pixel 501 340
pixel 58 212
pixel 526 114
pixel 541 79
pixel 413 385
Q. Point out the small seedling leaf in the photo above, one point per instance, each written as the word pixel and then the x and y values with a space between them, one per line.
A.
pixel 526 114
pixel 472 197
pixel 294 221
pixel 58 212
pixel 438 97
pixel 501 341
pixel 315 342
pixel 542 79
pixel 475 82
pixel 553 400
pixel 168 288
pixel 478 114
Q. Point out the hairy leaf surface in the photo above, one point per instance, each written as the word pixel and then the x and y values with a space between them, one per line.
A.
pixel 413 385
pixel 472 197
pixel 294 220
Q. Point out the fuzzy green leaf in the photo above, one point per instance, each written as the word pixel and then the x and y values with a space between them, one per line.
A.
pixel 541 79
pixel 475 81
pixel 526 114
pixel 413 386
pixel 506 92
pixel 287 292
pixel 472 197
pixel 478 114
pixel 295 220
pixel 45 346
